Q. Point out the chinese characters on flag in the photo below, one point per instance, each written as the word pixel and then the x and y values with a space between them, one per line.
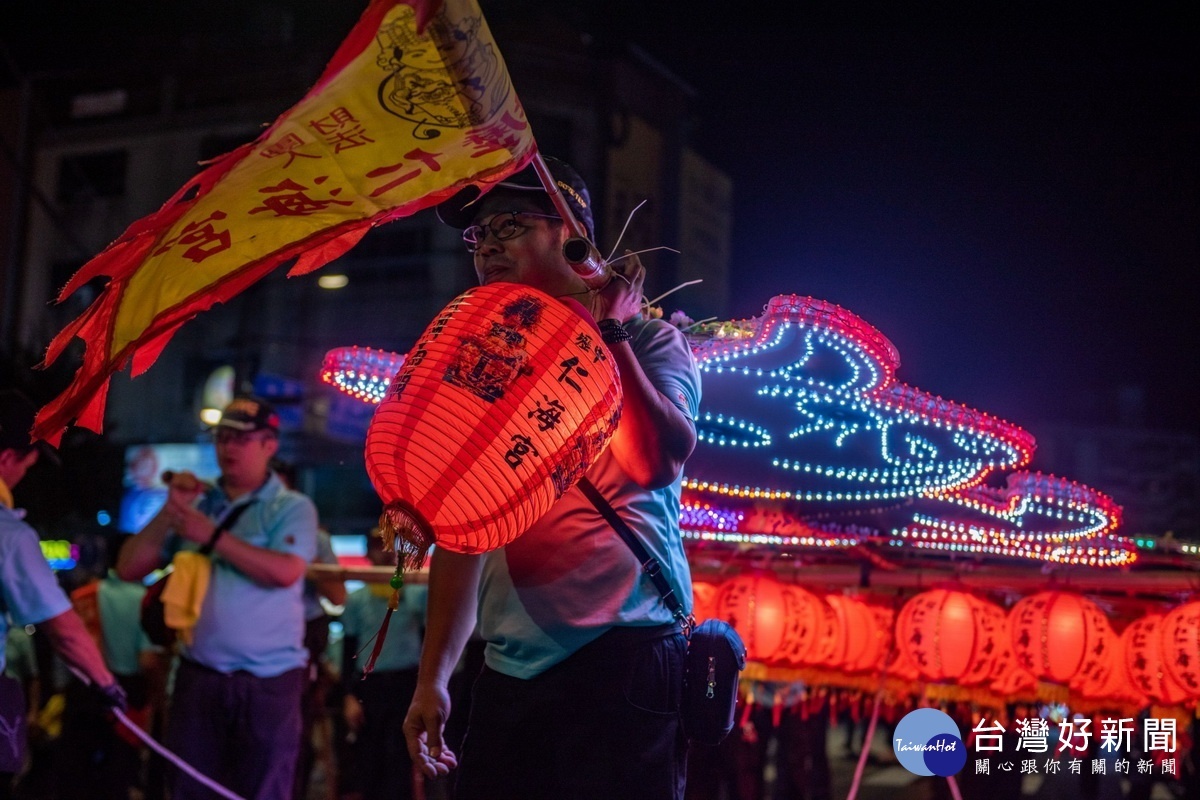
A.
pixel 415 105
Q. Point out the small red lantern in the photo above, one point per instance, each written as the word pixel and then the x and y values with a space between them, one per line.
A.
pixel 766 613
pixel 1057 635
pixel 503 403
pixel 951 636
pixel 1145 662
pixel 1180 638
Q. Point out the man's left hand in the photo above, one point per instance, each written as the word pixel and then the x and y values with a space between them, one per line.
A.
pixel 114 696
pixel 621 297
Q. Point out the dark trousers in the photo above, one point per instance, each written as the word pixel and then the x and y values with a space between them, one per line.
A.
pixel 312 702
pixel 238 729
pixel 97 758
pixel 380 754
pixel 603 724
pixel 803 770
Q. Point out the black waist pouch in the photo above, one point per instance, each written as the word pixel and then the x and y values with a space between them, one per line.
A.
pixel 715 658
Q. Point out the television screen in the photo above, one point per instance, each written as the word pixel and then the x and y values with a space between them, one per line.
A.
pixel 145 492
pixel 351 551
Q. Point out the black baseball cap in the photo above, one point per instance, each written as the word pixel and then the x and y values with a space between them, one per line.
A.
pixel 248 413
pixel 459 210
pixel 17 413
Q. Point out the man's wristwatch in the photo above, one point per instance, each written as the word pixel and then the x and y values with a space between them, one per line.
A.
pixel 216 535
pixel 613 332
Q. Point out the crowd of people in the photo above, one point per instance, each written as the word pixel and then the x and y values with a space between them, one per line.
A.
pixel 244 690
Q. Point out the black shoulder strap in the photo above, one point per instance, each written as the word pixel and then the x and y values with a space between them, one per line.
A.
pixel 225 524
pixel 649 563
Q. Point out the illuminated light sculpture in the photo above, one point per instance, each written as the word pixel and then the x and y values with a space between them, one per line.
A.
pixel 1145 660
pixel 1035 516
pixel 821 420
pixel 361 372
pixel 951 637
pixel 1059 637
pixel 807 409
pixel 503 403
pixel 703 521
pixel 770 616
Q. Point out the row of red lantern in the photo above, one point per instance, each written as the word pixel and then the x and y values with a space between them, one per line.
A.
pixel 953 638
pixel 786 624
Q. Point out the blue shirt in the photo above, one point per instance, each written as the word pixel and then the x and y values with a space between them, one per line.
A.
pixel 570 577
pixel 364 614
pixel 243 624
pixel 120 604
pixel 29 592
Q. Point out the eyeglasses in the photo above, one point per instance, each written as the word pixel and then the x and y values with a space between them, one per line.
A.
pixel 241 438
pixel 503 226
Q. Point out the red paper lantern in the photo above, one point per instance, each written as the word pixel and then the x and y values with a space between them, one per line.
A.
pixel 1180 637
pixel 1057 636
pixel 951 636
pixel 1112 681
pixel 767 614
pixel 862 642
pixel 503 403
pixel 825 649
pixel 806 625
pixel 902 667
pixel 1145 662
pixel 1008 679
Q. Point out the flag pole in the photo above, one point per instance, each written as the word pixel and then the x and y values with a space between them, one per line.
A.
pixel 579 251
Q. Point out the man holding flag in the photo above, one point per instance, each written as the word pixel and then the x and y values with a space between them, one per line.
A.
pixel 415 106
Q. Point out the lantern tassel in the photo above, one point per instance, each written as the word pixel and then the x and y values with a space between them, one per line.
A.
pixel 406 534
pixel 408 539
pixel 380 636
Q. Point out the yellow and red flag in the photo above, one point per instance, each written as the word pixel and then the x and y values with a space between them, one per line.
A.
pixel 415 105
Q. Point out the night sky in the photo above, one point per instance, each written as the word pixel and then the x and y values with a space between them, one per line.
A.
pixel 1011 199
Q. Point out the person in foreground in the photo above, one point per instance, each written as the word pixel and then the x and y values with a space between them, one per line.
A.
pixel 29 592
pixel 579 695
pixel 235 709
